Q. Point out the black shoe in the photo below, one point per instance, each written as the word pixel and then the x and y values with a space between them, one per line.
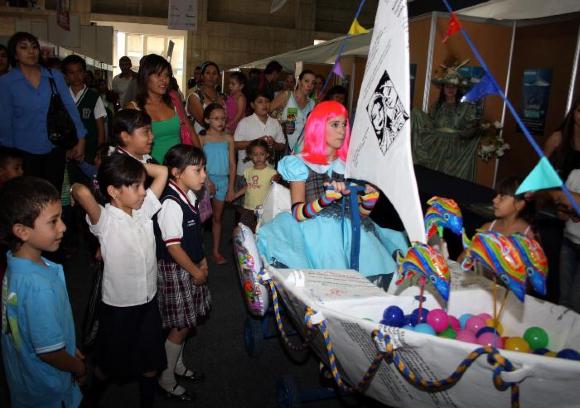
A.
pixel 171 394
pixel 192 376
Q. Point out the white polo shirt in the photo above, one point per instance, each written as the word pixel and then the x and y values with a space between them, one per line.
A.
pixel 128 249
pixel 251 128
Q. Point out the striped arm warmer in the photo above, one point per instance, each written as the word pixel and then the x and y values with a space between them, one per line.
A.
pixel 302 211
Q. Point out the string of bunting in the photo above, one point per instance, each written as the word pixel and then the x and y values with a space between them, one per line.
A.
pixel 387 352
pixel 543 175
pixel 355 29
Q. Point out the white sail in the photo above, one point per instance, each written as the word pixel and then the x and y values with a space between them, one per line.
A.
pixel 380 147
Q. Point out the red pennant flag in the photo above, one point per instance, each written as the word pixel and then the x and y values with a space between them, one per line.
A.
pixel 453 27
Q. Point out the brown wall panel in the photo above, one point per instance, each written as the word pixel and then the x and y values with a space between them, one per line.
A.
pixel 552 46
pixel 418 49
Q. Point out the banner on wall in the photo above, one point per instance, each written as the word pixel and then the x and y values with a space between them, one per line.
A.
pixel 380 147
pixel 63 14
pixel 536 93
pixel 182 15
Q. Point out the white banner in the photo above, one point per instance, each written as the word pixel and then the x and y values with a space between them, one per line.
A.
pixel 380 147
pixel 182 15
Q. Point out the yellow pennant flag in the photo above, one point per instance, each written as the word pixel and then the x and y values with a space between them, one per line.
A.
pixel 356 28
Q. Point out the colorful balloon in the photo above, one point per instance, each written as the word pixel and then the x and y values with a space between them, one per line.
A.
pixel 464 318
pixel 393 316
pixel 423 260
pixel 424 328
pixel 517 344
pixel 466 336
pixel 498 254
pixel 534 259
pixel 486 329
pixel 438 319
pixel 474 324
pixel 454 323
pixel 485 316
pixel 443 213
pixel 415 319
pixel 536 337
pixel 490 339
pixel 495 324
pixel 448 333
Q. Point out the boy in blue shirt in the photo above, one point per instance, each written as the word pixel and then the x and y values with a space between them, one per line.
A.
pixel 43 366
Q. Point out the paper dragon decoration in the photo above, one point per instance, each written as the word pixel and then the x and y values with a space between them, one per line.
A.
pixel 428 264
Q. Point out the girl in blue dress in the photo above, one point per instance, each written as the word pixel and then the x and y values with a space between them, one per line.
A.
pixel 218 147
pixel 317 233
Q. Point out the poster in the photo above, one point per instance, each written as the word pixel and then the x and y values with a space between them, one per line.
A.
pixel 380 147
pixel 473 75
pixel 182 15
pixel 63 14
pixel 536 94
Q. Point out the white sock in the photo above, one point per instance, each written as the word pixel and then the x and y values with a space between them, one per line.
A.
pixel 180 367
pixel 167 379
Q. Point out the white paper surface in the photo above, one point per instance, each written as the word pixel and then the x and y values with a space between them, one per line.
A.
pixel 380 147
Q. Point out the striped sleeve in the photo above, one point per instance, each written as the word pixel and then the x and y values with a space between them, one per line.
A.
pixel 170 220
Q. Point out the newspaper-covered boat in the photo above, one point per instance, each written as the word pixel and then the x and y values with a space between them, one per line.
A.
pixel 338 312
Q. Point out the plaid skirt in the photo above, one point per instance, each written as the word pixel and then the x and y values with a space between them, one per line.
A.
pixel 181 302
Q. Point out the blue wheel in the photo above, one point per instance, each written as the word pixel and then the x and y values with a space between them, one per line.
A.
pixel 287 392
pixel 253 337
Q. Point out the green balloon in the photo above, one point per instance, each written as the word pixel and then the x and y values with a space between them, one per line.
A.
pixel 448 333
pixel 537 338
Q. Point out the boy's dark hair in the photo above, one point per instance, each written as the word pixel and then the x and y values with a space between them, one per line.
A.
pixel 273 66
pixel 13 43
pixel 73 59
pixel 239 76
pixel 21 201
pixel 257 143
pixel 127 120
pixel 256 94
pixel 8 153
pixel 119 170
pixel 508 187
pixel 180 156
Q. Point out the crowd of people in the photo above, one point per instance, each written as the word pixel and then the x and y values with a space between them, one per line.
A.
pixel 150 165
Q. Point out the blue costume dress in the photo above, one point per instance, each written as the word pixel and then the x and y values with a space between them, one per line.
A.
pixel 324 242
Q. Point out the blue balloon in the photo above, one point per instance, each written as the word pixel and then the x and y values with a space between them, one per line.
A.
pixel 464 318
pixel 393 316
pixel 408 320
pixel 569 354
pixel 409 327
pixel 486 330
pixel 540 351
pixel 415 316
pixel 425 328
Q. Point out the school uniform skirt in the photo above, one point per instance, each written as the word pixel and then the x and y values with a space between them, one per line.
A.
pixel 130 341
pixel 181 302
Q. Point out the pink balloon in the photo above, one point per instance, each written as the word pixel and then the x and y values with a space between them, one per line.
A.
pixel 490 339
pixel 438 319
pixel 474 324
pixel 485 316
pixel 454 323
pixel 466 336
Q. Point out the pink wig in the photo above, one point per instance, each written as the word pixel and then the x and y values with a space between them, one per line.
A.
pixel 314 150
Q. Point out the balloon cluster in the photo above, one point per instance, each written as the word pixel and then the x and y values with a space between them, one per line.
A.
pixel 479 329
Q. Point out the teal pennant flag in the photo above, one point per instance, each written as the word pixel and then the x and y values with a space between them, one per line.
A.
pixel 541 177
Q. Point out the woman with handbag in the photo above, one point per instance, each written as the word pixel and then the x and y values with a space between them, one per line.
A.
pixel 37 113
pixel 169 124
pixel 205 94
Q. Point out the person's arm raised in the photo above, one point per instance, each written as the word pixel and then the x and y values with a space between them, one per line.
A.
pixel 159 174
pixel 84 197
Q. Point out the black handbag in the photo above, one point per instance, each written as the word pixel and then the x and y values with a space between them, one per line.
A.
pixel 59 125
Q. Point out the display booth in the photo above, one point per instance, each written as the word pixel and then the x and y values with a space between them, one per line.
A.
pixel 511 48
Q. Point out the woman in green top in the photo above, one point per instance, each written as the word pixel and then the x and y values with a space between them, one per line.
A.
pixel 446 140
pixel 153 80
